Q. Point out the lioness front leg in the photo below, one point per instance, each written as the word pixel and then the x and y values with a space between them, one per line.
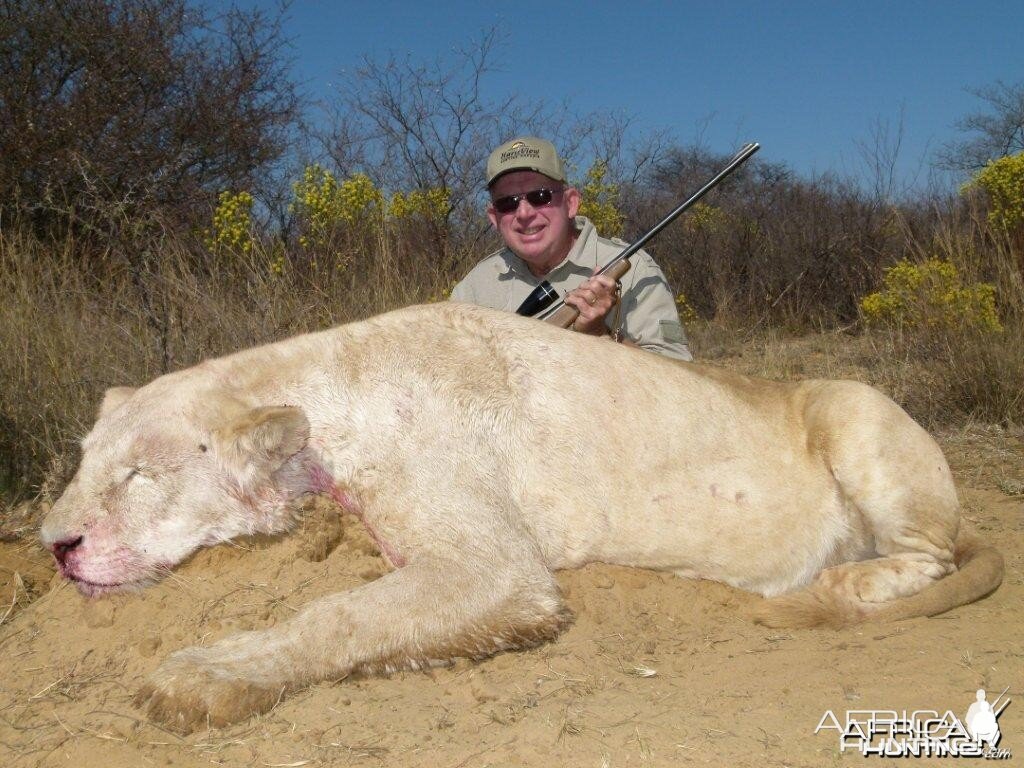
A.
pixel 425 613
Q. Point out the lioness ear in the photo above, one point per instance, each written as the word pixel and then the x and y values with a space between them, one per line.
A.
pixel 258 441
pixel 112 398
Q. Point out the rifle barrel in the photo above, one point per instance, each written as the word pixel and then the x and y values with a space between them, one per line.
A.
pixel 738 159
pixel 999 697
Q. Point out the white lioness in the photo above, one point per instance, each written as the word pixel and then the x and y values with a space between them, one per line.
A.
pixel 482 451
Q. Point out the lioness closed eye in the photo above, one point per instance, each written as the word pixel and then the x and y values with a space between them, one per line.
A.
pixel 483 451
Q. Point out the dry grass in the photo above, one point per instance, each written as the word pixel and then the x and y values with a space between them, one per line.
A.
pixel 957 374
pixel 942 380
pixel 72 325
pixel 74 321
pixel 946 375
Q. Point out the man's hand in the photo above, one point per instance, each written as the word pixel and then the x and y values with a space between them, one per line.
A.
pixel 593 299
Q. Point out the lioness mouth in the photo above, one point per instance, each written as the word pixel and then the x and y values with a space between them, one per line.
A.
pixel 93 588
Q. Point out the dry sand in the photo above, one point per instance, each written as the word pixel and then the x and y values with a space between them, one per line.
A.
pixel 655 670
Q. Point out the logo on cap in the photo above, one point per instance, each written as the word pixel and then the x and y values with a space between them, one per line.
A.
pixel 519 151
pixel 525 153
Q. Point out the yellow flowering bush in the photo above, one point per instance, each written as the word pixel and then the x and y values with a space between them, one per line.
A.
pixel 1003 183
pixel 600 201
pixel 441 294
pixel 931 294
pixel 324 204
pixel 686 311
pixel 278 262
pixel 327 207
pixel 706 218
pixel 432 204
pixel 232 223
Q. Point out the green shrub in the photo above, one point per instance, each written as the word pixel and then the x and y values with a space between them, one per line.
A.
pixel 931 294
pixel 323 205
pixel 430 204
pixel 1002 181
pixel 600 201
pixel 706 218
pixel 231 228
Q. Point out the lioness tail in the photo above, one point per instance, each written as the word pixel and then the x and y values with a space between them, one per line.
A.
pixel 979 572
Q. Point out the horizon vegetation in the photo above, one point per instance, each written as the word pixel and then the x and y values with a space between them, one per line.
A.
pixel 165 207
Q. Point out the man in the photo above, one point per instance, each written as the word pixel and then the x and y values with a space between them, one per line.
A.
pixel 534 211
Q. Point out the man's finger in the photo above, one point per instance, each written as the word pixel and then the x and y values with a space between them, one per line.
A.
pixel 586 294
pixel 587 306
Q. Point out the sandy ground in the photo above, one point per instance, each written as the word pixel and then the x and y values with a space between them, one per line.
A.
pixel 654 671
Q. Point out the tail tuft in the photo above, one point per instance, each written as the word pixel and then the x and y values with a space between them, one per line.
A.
pixel 806 609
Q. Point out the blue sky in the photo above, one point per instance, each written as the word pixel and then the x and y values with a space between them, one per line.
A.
pixel 808 80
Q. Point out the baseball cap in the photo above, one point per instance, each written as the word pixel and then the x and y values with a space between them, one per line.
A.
pixel 526 153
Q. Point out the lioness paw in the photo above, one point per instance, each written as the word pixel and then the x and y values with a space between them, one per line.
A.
pixel 188 692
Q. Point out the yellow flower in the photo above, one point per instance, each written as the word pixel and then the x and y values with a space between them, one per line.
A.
pixel 931 294
pixel 231 228
pixel 432 204
pixel 324 204
pixel 706 218
pixel 686 311
pixel 600 201
pixel 1003 183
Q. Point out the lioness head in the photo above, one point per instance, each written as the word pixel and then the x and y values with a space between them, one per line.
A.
pixel 166 469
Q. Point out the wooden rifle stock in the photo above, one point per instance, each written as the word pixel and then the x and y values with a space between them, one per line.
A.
pixel 566 314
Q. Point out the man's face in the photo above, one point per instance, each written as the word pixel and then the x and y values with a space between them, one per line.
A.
pixel 540 236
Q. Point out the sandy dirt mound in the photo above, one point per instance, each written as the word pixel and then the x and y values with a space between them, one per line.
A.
pixel 655 670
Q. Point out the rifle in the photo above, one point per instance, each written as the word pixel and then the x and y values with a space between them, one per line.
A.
pixel 544 302
pixel 998 712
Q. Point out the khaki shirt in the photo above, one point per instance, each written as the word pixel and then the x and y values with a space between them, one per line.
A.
pixel 647 315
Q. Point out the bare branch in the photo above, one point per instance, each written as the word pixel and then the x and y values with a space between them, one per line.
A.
pixel 998 129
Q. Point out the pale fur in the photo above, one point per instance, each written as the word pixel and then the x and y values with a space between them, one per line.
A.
pixel 484 451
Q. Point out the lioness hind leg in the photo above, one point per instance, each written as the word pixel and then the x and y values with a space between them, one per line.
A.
pixel 883 579
pixel 911 558
pixel 847 593
pixel 897 489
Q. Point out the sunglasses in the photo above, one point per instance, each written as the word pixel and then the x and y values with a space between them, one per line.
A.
pixel 538 198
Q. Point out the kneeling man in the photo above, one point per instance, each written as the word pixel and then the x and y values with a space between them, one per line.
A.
pixel 535 211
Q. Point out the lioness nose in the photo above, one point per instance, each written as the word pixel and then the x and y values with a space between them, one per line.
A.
pixel 61 548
